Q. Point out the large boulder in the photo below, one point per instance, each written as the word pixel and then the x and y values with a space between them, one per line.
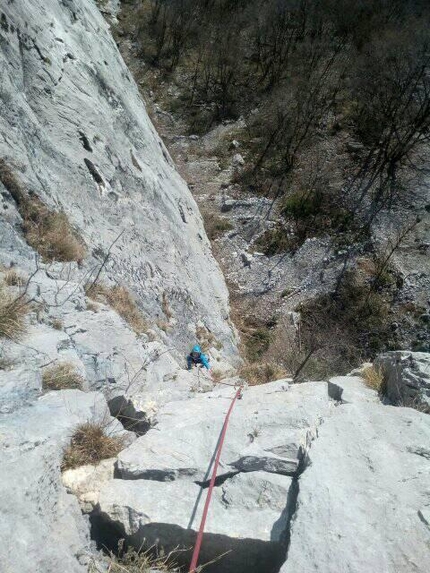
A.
pixel 406 377
pixel 365 491
pixel 269 431
pixel 166 472
pixel 248 518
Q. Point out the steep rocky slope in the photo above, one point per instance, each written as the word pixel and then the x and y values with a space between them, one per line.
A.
pixel 321 472
pixel 268 285
pixel 75 130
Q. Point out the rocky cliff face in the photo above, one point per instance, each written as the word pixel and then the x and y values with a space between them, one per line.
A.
pixel 76 132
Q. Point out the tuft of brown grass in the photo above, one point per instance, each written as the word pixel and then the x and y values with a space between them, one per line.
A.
pixel 132 561
pixel 61 376
pixel 13 278
pixel 119 298
pixel 90 444
pixel 57 324
pixel 166 307
pixel 11 183
pixel 256 374
pixel 163 325
pixel 48 232
pixel 13 311
pixel 92 306
pixel 374 378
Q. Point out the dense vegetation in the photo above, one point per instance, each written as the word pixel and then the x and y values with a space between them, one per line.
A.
pixel 302 72
pixel 335 100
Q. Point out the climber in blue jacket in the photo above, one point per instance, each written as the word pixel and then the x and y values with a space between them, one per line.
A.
pixel 196 356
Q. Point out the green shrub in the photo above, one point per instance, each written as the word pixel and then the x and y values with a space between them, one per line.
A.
pixel 301 205
pixel 276 241
pixel 215 226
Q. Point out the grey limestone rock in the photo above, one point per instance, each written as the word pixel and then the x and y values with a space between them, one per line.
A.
pixel 362 493
pixel 406 377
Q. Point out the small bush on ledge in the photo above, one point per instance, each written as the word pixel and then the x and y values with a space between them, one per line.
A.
pixel 61 377
pixel 119 298
pixel 89 445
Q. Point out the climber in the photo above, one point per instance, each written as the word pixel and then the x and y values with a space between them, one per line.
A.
pixel 196 357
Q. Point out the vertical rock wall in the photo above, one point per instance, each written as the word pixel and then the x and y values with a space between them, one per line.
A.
pixel 76 133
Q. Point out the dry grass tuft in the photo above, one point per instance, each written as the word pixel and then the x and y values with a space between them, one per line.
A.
pixel 374 378
pixel 133 561
pixel 13 311
pixel 217 375
pixel 48 232
pixel 256 374
pixel 62 376
pixel 57 324
pixel 163 325
pixel 92 306
pixel 89 445
pixel 12 278
pixel 119 298
pixel 166 307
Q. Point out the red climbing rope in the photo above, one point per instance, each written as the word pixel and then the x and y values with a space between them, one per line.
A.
pixel 199 539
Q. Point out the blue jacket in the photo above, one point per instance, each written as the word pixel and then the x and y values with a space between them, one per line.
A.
pixel 196 356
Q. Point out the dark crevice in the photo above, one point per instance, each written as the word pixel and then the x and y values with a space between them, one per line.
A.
pixel 163 150
pixel 132 420
pixel 182 213
pixel 221 553
pixel 85 141
pixel 135 161
pixel 292 501
pixel 3 23
pixel 105 534
pixel 291 508
pixel 334 392
pixel 93 171
pixel 219 480
pixel 154 475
